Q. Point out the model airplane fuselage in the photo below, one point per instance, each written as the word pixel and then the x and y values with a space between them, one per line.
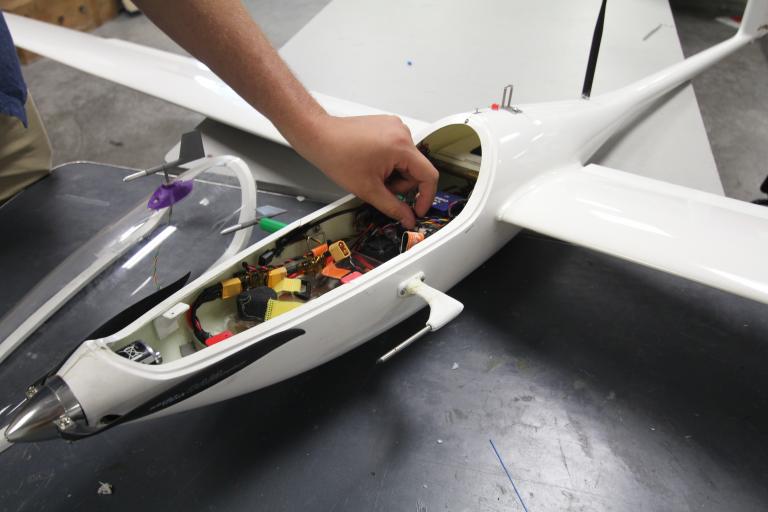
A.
pixel 517 163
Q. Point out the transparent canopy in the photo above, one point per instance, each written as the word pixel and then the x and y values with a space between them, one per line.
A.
pixel 146 249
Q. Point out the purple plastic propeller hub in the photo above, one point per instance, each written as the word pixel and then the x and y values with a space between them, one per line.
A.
pixel 169 194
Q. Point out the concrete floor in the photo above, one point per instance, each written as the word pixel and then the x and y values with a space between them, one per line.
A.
pixel 734 105
pixel 141 129
pixel 605 386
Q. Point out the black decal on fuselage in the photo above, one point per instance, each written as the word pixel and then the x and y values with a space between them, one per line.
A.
pixel 201 380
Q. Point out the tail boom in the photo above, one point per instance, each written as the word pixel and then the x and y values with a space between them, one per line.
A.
pixel 622 106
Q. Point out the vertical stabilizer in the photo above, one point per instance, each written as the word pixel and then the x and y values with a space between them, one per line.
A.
pixel 754 23
pixel 594 51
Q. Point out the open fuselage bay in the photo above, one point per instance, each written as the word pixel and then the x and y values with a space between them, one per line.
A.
pixel 331 279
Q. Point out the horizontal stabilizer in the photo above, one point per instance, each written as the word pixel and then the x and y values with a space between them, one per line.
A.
pixel 181 80
pixel 704 237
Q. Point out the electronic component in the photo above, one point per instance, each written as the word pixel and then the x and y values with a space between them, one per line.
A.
pixel 306 262
pixel 410 238
pixel 231 287
pixel 378 236
pixel 456 207
pixel 216 338
pixel 140 352
pixel 362 262
pixel 278 284
pixel 213 292
pixel 334 272
pixel 266 257
pixel 252 304
pixel 444 200
pixel 381 247
pixel 288 284
pixel 306 291
pixel 339 251
pixel 350 277
pixel 319 250
pixel 279 307
pixel 276 275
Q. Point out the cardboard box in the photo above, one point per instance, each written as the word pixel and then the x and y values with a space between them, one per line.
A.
pixel 75 14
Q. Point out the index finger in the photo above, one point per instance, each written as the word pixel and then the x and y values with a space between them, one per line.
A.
pixel 385 201
pixel 425 174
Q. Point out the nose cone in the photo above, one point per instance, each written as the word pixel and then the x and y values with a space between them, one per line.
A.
pixel 34 420
pixel 42 416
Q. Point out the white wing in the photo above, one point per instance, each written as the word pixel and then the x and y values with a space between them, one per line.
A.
pixel 174 78
pixel 704 237
pixel 461 54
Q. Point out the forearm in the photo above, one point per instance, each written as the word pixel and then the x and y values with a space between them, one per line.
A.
pixel 222 34
pixel 358 153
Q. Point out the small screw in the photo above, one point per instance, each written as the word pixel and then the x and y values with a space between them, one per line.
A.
pixel 30 392
pixel 64 422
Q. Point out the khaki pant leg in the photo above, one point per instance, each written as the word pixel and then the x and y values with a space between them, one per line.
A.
pixel 25 153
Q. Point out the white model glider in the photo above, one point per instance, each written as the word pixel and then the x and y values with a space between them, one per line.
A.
pixel 253 320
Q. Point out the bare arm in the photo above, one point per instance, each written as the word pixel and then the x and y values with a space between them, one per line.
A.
pixel 358 153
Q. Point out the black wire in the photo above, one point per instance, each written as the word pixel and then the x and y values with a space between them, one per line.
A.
pixel 298 234
pixel 207 295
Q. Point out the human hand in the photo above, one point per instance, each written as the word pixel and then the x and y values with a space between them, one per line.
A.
pixel 361 154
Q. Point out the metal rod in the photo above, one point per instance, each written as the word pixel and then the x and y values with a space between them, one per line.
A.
pixel 242 225
pixel 153 170
pixel 386 357
pixel 506 100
